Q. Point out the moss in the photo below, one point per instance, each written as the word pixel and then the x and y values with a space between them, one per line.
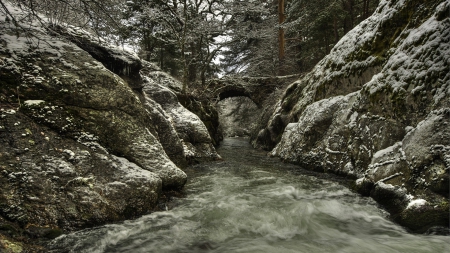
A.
pixel 444 204
pixel 10 229
pixel 53 233
pixel 420 219
pixel 322 90
pixel 411 15
pixel 364 188
pixel 207 114
pixel 11 247
pixel 443 14
pixel 291 98
pixel 291 89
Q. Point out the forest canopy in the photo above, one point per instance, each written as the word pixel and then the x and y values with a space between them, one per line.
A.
pixel 195 40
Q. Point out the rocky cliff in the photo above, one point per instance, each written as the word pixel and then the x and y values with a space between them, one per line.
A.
pixel 89 133
pixel 377 109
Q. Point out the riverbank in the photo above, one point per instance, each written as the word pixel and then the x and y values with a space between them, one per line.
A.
pixel 253 203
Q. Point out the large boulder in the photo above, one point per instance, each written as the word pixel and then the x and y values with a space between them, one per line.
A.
pixel 206 110
pixel 77 95
pixel 121 62
pixel 69 132
pixel 377 109
pixel 193 135
pixel 80 143
pixel 181 132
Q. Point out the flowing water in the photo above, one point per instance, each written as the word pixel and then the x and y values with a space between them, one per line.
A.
pixel 252 203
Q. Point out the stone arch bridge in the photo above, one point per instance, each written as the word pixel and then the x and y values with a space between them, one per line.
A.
pixel 256 88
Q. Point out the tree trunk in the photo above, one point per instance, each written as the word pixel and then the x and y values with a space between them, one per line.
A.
pixel 366 8
pixel 193 64
pixel 281 39
pixel 335 28
pixel 161 58
pixel 183 50
pixel 352 13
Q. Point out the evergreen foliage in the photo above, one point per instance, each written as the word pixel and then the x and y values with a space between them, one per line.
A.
pixel 314 27
pixel 188 37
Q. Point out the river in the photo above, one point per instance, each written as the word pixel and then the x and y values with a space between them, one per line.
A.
pixel 252 203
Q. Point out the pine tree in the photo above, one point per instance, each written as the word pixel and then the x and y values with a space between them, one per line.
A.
pixel 314 27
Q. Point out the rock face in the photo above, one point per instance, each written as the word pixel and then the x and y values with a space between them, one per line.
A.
pixel 79 145
pixel 377 109
pixel 181 132
pixel 206 111
pixel 193 136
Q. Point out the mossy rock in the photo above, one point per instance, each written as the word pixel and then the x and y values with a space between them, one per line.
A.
pixel 207 114
pixel 420 219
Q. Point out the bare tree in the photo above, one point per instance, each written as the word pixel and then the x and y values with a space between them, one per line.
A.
pixel 95 15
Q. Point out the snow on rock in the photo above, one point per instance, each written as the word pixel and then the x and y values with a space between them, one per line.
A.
pixel 377 108
pixel 315 137
pixel 194 136
pixel 156 75
pixel 388 164
pixel 124 63
pixel 171 119
pixel 148 154
pixel 379 155
pixel 33 102
pixel 416 203
pixel 427 149
pixel 418 61
pixel 75 138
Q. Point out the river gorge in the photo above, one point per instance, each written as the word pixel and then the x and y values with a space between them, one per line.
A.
pixel 252 203
pixel 102 151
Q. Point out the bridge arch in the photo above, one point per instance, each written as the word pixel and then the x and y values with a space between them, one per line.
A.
pixel 233 91
pixel 257 89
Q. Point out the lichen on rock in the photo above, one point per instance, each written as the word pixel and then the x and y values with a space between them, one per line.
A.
pixel 80 144
pixel 194 137
pixel 376 109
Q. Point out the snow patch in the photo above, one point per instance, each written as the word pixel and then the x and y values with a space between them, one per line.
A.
pixel 359 181
pixel 385 186
pixel 33 102
pixel 387 151
pixel 419 59
pixel 333 151
pixel 353 120
pixel 290 126
pixel 416 203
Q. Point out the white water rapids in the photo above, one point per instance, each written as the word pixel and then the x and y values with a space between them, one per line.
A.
pixel 251 203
